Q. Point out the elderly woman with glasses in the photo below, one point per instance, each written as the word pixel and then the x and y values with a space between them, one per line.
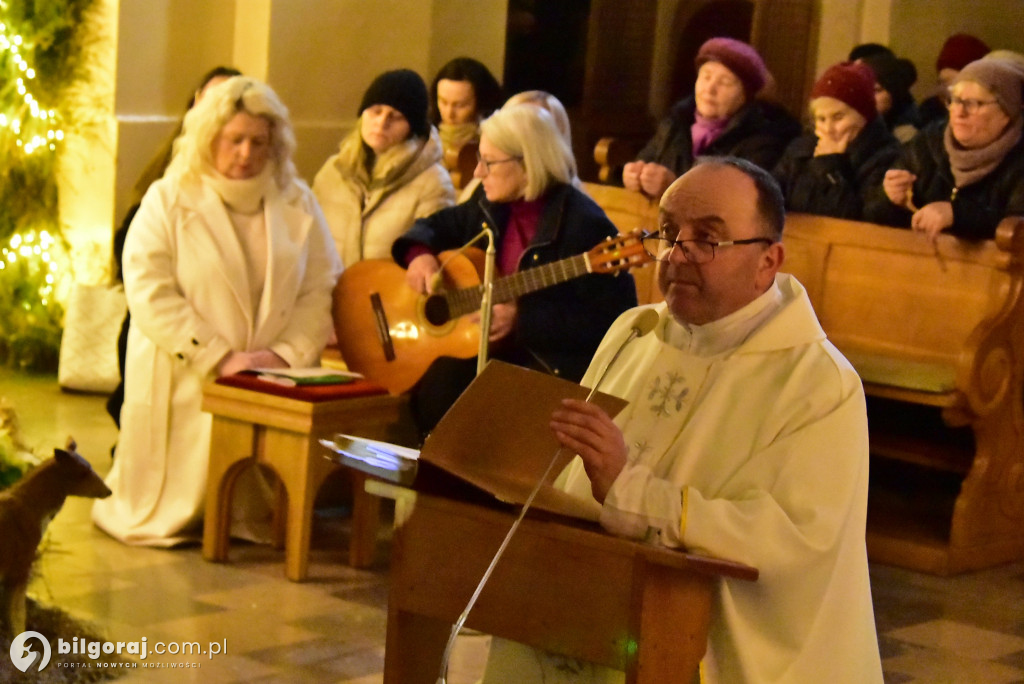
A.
pixel 527 197
pixel 228 266
pixel 964 176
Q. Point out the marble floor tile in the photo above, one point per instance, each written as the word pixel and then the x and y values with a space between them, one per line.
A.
pixel 939 666
pixel 960 639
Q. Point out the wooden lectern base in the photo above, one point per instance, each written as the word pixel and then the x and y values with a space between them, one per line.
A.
pixel 565 588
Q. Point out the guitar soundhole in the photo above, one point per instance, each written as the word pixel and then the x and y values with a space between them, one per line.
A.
pixel 436 311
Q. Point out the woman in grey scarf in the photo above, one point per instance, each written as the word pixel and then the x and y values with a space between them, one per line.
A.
pixel 964 176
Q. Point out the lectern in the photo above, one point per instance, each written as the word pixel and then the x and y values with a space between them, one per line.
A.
pixel 563 585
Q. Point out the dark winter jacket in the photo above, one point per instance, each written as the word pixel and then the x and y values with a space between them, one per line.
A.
pixel 558 327
pixel 840 185
pixel 759 132
pixel 977 208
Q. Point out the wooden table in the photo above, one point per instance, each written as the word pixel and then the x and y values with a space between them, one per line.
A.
pixel 281 433
pixel 569 589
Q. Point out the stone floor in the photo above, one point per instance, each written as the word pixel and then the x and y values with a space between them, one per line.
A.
pixel 965 629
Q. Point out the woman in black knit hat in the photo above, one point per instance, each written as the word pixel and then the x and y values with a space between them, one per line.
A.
pixel 387 172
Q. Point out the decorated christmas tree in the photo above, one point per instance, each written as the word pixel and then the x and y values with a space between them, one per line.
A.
pixel 43 68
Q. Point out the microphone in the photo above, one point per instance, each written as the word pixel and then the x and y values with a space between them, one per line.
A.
pixel 486 230
pixel 644 323
pixel 436 306
pixel 487 299
pixel 436 280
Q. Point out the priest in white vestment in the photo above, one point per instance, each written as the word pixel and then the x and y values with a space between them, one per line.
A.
pixel 745 438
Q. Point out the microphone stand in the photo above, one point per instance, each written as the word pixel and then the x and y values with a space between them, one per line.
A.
pixel 486 300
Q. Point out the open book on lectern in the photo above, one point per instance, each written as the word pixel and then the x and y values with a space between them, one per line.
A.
pixel 495 437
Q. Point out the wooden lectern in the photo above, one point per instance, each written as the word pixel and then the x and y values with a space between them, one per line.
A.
pixel 563 586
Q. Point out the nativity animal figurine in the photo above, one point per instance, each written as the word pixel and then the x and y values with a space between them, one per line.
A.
pixel 26 508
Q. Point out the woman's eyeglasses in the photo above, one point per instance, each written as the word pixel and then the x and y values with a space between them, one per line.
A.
pixel 970 105
pixel 488 164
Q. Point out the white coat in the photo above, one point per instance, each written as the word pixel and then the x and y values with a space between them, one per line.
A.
pixel 186 284
pixel 758 455
pixel 366 214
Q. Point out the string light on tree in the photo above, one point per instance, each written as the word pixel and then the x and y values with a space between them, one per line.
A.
pixel 40 126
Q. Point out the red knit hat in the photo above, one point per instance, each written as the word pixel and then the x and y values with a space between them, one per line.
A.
pixel 959 50
pixel 739 58
pixel 852 83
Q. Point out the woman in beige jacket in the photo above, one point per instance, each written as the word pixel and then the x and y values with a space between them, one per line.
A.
pixel 387 173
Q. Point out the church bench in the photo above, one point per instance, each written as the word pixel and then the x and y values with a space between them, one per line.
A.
pixel 630 210
pixel 937 336
pixel 611 154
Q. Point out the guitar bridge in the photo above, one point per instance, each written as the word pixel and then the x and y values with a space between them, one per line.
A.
pixel 383 330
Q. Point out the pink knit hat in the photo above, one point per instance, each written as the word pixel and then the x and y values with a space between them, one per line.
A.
pixel 852 83
pixel 739 58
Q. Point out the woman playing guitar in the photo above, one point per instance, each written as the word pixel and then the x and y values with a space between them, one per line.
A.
pixel 538 218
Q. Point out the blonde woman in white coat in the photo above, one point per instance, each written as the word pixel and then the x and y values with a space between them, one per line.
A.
pixel 228 266
pixel 388 171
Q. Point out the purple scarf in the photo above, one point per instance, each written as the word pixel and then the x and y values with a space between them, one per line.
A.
pixel 705 131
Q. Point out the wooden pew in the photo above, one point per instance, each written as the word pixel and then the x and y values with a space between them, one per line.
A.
pixel 611 154
pixel 937 335
pixel 628 211
pixel 934 332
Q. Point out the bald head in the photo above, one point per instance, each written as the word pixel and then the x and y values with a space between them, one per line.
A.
pixel 716 202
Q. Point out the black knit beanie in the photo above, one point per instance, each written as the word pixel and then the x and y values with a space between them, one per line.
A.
pixel 404 90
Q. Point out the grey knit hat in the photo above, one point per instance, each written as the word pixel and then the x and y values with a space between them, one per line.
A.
pixel 1001 78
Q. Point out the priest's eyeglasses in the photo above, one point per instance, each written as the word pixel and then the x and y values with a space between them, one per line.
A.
pixel 695 251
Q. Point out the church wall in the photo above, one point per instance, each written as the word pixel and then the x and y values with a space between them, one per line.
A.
pixel 920 27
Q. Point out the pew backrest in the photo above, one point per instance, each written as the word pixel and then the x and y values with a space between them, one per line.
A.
pixel 630 210
pixel 909 314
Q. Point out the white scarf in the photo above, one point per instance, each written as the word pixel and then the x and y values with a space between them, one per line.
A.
pixel 244 196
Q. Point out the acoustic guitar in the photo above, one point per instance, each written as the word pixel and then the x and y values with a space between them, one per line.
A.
pixel 391 334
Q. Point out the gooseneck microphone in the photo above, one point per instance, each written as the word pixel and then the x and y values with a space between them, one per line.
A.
pixel 644 323
pixel 486 302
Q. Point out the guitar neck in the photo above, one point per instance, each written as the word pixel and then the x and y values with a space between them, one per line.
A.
pixel 507 288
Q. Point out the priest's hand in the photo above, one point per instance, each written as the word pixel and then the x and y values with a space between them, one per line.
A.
pixel 587 430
